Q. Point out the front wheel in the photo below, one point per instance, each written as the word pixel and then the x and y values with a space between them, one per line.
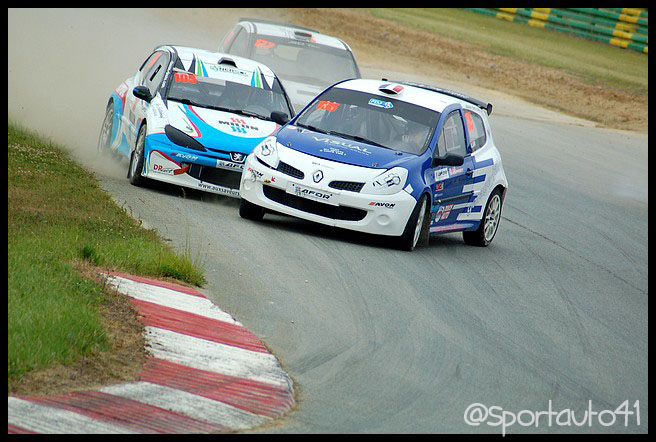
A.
pixel 106 130
pixel 416 230
pixel 250 211
pixel 483 236
pixel 137 159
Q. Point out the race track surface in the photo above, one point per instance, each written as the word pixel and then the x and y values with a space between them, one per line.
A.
pixel 379 340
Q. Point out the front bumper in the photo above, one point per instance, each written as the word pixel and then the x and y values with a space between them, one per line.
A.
pixel 301 197
pixel 187 168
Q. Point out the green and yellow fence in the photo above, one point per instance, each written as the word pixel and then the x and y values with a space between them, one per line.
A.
pixel 623 27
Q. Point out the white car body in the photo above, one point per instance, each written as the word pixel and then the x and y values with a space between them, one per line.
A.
pixel 457 195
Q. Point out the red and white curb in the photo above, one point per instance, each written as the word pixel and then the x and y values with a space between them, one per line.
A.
pixel 205 373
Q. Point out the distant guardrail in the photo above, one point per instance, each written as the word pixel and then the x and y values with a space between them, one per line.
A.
pixel 623 27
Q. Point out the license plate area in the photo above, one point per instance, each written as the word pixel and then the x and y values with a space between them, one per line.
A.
pixel 321 196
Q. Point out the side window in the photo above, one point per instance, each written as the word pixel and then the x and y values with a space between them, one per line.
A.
pixel 154 76
pixel 240 45
pixel 476 129
pixel 452 137
pixel 227 40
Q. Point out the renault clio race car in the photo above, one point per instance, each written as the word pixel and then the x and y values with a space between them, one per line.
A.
pixel 306 60
pixel 190 117
pixel 398 159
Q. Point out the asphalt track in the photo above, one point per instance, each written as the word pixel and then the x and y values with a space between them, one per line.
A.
pixel 384 341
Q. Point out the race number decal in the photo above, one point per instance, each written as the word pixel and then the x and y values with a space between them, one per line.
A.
pixel 264 44
pixel 329 106
pixel 185 78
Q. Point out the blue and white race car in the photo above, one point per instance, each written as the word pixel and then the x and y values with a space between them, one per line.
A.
pixel 190 117
pixel 398 159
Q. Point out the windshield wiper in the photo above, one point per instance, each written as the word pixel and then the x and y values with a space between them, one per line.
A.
pixel 356 138
pixel 219 108
pixel 186 101
pixel 307 126
pixel 252 114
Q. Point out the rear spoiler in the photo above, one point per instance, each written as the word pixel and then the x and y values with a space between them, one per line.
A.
pixel 271 22
pixel 485 106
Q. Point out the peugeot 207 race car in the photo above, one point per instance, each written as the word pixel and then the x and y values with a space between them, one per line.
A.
pixel 397 159
pixel 306 60
pixel 190 117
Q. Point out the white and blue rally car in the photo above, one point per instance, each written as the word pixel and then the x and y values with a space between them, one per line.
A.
pixel 390 158
pixel 190 117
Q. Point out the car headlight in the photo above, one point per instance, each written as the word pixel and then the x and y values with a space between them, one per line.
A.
pixel 387 183
pixel 267 152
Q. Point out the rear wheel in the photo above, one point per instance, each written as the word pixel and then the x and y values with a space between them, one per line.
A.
pixel 416 230
pixel 250 211
pixel 137 159
pixel 483 236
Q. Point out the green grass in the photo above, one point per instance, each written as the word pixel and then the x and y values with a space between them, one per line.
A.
pixel 593 62
pixel 58 215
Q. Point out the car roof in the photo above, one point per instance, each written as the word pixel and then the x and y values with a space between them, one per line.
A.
pixel 272 29
pixel 430 97
pixel 188 54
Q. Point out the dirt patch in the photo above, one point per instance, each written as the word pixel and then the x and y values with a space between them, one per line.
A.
pixel 384 43
pixel 122 363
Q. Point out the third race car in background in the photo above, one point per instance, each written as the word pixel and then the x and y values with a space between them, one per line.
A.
pixel 306 60
pixel 190 117
pixel 397 159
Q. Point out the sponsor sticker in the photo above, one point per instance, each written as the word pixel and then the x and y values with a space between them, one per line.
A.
pixel 443 212
pixel 333 150
pixel 453 171
pixel 380 103
pixel 441 174
pixel 470 122
pixel 385 205
pixel 344 144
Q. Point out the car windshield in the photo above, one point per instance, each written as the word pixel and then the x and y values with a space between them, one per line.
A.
pixel 378 120
pixel 304 61
pixel 216 93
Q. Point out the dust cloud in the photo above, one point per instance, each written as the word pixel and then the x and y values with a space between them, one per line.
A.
pixel 63 64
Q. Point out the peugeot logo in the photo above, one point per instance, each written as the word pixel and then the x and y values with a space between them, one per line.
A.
pixel 317 176
pixel 237 157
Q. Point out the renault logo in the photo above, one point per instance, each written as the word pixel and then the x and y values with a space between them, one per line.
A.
pixel 317 176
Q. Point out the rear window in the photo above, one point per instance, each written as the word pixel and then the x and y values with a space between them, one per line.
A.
pixel 476 129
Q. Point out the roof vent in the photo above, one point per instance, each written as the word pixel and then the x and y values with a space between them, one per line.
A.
pixel 301 34
pixel 228 61
pixel 391 88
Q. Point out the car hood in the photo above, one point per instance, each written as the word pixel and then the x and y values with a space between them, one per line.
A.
pixel 340 149
pixel 220 130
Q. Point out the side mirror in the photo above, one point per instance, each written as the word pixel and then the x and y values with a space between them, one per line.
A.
pixel 449 159
pixel 143 93
pixel 279 117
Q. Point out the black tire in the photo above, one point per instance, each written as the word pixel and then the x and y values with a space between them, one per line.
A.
pixel 135 167
pixel 250 211
pixel 483 236
pixel 416 230
pixel 106 130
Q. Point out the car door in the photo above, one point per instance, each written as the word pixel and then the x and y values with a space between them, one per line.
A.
pixel 450 183
pixel 150 75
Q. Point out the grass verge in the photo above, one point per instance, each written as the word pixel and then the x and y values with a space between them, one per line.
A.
pixel 61 226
